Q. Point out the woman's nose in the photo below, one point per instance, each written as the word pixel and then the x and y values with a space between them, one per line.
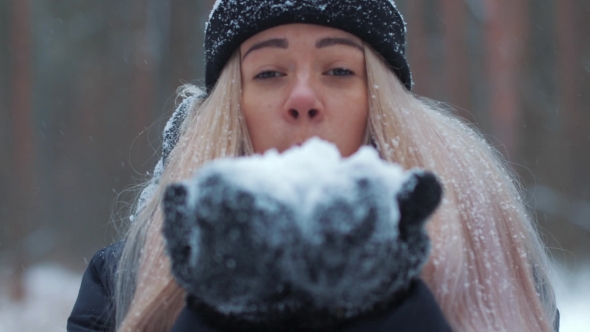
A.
pixel 304 104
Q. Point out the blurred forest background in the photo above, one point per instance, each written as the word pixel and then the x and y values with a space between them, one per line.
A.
pixel 86 87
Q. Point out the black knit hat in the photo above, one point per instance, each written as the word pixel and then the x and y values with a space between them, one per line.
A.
pixel 377 22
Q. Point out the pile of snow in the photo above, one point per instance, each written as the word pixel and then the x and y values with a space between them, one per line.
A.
pixel 50 295
pixel 306 175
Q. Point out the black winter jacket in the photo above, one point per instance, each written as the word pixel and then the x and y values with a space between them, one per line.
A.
pixel 94 311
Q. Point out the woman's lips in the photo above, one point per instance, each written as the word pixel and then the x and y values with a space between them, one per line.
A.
pixel 300 142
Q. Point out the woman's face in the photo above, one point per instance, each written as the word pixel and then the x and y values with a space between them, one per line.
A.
pixel 301 81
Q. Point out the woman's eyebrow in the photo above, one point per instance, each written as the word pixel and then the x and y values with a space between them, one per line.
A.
pixel 325 42
pixel 275 42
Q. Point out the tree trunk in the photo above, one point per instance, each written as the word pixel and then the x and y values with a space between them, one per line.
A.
pixel 418 48
pixel 143 77
pixel 22 140
pixel 567 85
pixel 455 53
pixel 506 34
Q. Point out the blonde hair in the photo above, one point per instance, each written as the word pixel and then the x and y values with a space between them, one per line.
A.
pixel 487 266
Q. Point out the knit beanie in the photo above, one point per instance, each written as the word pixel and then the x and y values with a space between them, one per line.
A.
pixel 376 22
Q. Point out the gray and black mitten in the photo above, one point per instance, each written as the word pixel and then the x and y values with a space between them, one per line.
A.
pixel 269 239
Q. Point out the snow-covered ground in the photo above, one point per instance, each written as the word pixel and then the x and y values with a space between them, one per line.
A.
pixel 573 299
pixel 52 291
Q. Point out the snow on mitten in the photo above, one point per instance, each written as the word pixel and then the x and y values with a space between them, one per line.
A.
pixel 364 241
pixel 265 237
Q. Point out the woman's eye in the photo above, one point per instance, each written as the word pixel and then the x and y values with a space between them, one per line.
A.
pixel 268 74
pixel 340 72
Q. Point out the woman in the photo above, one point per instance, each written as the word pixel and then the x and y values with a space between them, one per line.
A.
pixel 280 72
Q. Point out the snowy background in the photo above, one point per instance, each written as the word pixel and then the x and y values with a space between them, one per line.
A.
pixel 573 299
pixel 86 87
pixel 51 291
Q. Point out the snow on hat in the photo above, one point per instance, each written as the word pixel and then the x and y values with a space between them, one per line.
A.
pixel 170 137
pixel 377 22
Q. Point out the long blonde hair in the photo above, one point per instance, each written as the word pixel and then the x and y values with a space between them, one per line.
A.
pixel 488 269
